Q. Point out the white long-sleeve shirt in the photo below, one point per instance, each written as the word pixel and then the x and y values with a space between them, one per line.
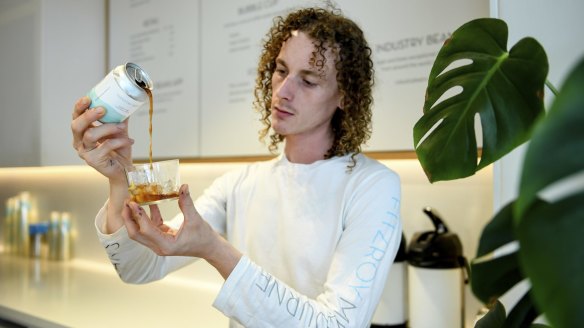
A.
pixel 318 241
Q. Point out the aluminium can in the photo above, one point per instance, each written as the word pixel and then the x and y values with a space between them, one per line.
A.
pixel 121 92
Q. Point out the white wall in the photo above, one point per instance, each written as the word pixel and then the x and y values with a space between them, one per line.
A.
pixel 72 60
pixel 19 82
pixel 558 26
pixel 51 53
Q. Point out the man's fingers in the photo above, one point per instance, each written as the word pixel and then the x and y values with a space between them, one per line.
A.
pixel 112 136
pixel 81 124
pixel 104 155
pixel 140 216
pixel 185 202
pixel 80 106
pixel 131 226
pixel 87 117
pixel 138 224
pixel 155 215
pixel 144 231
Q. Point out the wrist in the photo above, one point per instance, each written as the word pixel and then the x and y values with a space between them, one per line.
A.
pixel 223 256
pixel 118 191
pixel 117 196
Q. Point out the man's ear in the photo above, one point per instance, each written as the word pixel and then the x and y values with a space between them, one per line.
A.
pixel 341 104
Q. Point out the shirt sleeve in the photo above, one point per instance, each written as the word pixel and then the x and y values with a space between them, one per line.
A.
pixel 355 281
pixel 212 204
pixel 134 262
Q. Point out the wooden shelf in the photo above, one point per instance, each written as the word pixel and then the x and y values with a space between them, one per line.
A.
pixel 379 155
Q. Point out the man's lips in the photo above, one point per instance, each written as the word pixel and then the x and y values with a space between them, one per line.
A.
pixel 282 112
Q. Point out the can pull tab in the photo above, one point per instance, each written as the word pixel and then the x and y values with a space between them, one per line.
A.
pixel 138 79
pixel 439 224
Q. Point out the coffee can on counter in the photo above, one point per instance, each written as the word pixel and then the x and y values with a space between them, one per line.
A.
pixel 121 92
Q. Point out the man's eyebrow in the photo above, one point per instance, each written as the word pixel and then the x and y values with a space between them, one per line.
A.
pixel 281 62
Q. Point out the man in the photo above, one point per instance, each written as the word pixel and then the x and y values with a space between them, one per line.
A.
pixel 302 240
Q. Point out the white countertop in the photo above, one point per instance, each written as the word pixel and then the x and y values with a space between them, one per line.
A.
pixel 41 293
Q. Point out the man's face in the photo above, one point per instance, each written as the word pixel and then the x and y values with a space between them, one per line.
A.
pixel 304 96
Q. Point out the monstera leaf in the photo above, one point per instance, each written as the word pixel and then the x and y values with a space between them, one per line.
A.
pixel 493 276
pixel 550 230
pixel 497 318
pixel 504 88
pixel 494 318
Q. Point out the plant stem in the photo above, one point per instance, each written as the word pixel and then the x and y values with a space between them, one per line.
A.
pixel 551 87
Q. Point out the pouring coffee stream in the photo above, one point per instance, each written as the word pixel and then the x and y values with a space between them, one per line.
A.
pixel 144 86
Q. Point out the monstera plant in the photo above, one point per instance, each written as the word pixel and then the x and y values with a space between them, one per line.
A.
pixel 475 75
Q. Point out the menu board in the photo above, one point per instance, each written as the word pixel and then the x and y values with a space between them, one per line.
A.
pixel 231 43
pixel 163 38
pixel 202 56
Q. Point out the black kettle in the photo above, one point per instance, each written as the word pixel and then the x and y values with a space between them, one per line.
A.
pixel 439 248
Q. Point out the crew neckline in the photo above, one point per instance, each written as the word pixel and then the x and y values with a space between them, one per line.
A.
pixel 283 159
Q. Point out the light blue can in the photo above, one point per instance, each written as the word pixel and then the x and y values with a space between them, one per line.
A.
pixel 121 92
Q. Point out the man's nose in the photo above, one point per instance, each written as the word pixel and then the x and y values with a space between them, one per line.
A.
pixel 286 89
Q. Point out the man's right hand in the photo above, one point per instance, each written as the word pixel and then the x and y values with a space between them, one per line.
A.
pixel 106 147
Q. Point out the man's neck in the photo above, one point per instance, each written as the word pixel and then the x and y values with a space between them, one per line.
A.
pixel 306 151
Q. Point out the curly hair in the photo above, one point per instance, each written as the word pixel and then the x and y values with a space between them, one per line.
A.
pixel 351 125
